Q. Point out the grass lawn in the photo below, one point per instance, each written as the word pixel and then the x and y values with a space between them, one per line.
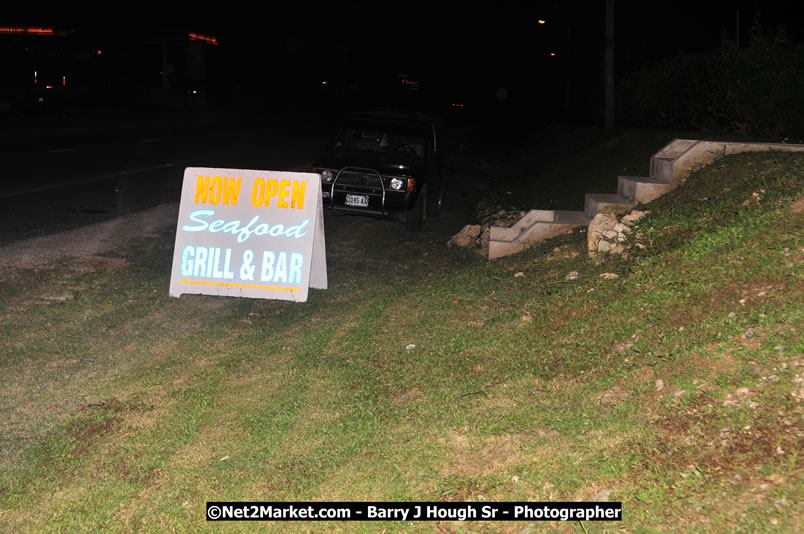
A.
pixel 428 374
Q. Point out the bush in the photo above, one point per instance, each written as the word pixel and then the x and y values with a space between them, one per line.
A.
pixel 760 87
pixel 674 92
pixel 754 90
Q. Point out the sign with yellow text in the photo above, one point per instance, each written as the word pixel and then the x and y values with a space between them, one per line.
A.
pixel 247 233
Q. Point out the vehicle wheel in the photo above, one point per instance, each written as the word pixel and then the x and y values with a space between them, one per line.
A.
pixel 415 215
pixel 436 203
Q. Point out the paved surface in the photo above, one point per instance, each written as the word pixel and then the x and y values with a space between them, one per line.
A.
pixel 88 242
pixel 60 176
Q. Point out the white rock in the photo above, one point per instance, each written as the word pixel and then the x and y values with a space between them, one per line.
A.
pixel 602 496
pixel 596 231
pixel 466 237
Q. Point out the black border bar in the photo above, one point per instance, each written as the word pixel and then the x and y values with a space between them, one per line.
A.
pixel 413 511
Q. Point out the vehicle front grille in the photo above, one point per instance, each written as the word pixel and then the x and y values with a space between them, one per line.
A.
pixel 359 179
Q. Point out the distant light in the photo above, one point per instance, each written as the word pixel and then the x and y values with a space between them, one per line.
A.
pixel 31 31
pixel 542 21
pixel 64 81
pixel 205 38
pixel 100 52
pixel 36 77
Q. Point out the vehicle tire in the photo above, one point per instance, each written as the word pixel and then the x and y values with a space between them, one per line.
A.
pixel 436 203
pixel 415 215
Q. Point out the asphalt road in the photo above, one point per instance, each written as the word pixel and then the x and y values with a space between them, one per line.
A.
pixel 56 181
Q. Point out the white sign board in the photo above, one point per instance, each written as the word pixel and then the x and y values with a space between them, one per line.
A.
pixel 249 233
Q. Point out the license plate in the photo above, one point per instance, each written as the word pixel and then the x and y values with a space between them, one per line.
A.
pixel 357 201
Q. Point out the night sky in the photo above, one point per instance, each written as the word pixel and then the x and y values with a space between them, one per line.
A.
pixel 507 36
pixel 459 51
pixel 482 47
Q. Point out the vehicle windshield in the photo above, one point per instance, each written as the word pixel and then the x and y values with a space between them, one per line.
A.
pixel 383 138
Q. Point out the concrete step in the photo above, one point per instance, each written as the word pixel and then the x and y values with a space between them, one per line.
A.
pixel 677 148
pixel 667 165
pixel 535 226
pixel 595 203
pixel 661 168
pixel 641 189
pixel 668 168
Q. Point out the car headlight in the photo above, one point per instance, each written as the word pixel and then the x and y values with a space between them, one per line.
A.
pixel 397 183
pixel 327 175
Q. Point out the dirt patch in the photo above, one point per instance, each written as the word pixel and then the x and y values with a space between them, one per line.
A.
pixel 98 419
pixel 599 491
pixel 91 264
pixel 705 368
pixel 133 473
pixel 86 435
pixel 712 365
pixel 612 396
pixel 645 373
pixel 484 457
pixel 404 397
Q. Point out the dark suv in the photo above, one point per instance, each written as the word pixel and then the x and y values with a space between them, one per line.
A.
pixel 385 165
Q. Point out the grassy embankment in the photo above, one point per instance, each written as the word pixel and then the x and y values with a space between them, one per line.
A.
pixel 675 388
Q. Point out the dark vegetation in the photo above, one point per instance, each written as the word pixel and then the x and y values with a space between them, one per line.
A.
pixel 753 90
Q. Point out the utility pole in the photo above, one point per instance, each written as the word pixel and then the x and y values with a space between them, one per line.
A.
pixel 568 55
pixel 608 74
